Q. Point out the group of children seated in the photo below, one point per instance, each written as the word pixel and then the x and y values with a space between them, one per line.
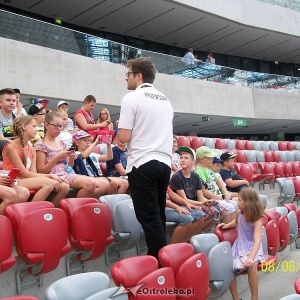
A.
pixel 52 157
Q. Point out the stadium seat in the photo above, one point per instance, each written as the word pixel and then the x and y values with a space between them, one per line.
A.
pixel 264 220
pixel 220 262
pixel 290 155
pixel 278 169
pixel 248 145
pixel 291 297
pixel 273 237
pixel 290 146
pixel 288 169
pixel 245 172
pixel 297 155
pixel 260 178
pixel 297 285
pixel 184 141
pixel 276 156
pixel 260 156
pixel 41 236
pixel 268 156
pixel 242 157
pixel 196 142
pixel 265 145
pixel 109 294
pixel 230 144
pixel 287 189
pixel 6 258
pixel 268 169
pixel 290 207
pixel 256 145
pixel 209 142
pixel 273 146
pixel 127 231
pixel 296 168
pixel 251 156
pixel 143 270
pixel 282 156
pixel 188 268
pixel 78 286
pixel 231 235
pixel 220 143
pixel 89 227
pixel 282 146
pixel 297 145
pixel 240 145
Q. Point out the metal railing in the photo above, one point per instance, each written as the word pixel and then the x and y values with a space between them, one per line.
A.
pixel 24 29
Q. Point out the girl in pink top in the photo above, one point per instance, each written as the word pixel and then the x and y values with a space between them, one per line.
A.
pixel 54 158
pixel 20 154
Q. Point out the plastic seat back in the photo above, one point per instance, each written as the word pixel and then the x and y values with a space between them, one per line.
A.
pixel 229 235
pixel 296 168
pixel 110 293
pixel 290 207
pixel 282 146
pixel 293 222
pixel 276 156
pixel 78 286
pixel 284 232
pixel 184 141
pixel 89 226
pixel 246 172
pixel 219 260
pixel 273 146
pixel 290 155
pixel 265 145
pixel 282 156
pixel 41 236
pixel 188 268
pixel 251 156
pixel 210 143
pixel 112 200
pixel 125 224
pixel 273 237
pixel 291 297
pixel 240 145
pixel 230 144
pixel 290 146
pixel 196 142
pixel 242 157
pixel 256 145
pixel 268 156
pixel 6 258
pixel 248 145
pixel 279 169
pixel 297 155
pixel 220 143
pixel 260 156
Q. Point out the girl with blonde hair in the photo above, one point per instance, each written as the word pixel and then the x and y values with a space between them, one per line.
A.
pixel 20 154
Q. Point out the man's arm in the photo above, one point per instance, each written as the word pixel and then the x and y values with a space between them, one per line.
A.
pixel 124 135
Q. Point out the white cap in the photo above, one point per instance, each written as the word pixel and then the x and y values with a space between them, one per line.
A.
pixel 62 102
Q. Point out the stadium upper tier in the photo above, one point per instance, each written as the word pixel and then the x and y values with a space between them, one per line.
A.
pixel 47 35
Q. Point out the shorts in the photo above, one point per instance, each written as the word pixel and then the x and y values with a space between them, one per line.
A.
pixel 210 212
pixel 228 207
pixel 69 178
pixel 173 216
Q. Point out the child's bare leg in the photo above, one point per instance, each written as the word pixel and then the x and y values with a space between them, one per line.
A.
pixel 179 234
pixel 253 281
pixel 233 289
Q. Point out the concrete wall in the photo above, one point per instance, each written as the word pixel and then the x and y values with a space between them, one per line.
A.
pixel 54 74
pixel 251 13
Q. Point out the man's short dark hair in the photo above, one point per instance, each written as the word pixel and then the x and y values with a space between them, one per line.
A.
pixel 17 91
pixel 143 65
pixel 7 91
pixel 89 99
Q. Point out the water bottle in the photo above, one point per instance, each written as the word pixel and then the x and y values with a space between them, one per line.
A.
pixel 68 168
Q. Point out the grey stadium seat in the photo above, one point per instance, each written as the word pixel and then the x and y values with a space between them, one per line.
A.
pixel 109 294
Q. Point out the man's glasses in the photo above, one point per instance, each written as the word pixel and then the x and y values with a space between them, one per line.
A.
pixel 129 73
pixel 56 126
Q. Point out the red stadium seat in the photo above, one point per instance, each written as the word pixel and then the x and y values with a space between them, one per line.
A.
pixel 290 146
pixel 103 168
pixel 245 172
pixel 264 220
pixel 276 156
pixel 220 143
pixel 41 236
pixel 184 141
pixel 133 271
pixel 188 268
pixel 288 169
pixel 231 235
pixel 6 259
pixel 278 169
pixel 282 146
pixel 240 145
pixel 290 207
pixel 273 237
pixel 268 156
pixel 284 232
pixel 242 157
pixel 196 142
pixel 296 168
pixel 259 177
pixel 248 145
pixel 89 224
pixel 297 286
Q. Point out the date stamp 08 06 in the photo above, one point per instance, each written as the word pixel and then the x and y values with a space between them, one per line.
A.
pixel 285 266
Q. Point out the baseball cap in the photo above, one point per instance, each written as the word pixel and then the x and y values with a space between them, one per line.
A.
pixel 227 155
pixel 80 134
pixel 38 105
pixel 205 152
pixel 187 150
pixel 62 102
pixel 217 159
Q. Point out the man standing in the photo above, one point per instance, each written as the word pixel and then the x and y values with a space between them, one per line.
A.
pixel 189 59
pixel 146 124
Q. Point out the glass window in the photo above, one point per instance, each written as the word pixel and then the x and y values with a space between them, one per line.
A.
pixel 250 65
pixel 296 70
pixel 286 69
pixel 265 67
pixel 235 62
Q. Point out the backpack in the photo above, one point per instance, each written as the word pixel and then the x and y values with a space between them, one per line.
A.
pixel 79 166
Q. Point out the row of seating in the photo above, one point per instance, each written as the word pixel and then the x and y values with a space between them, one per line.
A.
pixel 218 143
pixel 89 226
